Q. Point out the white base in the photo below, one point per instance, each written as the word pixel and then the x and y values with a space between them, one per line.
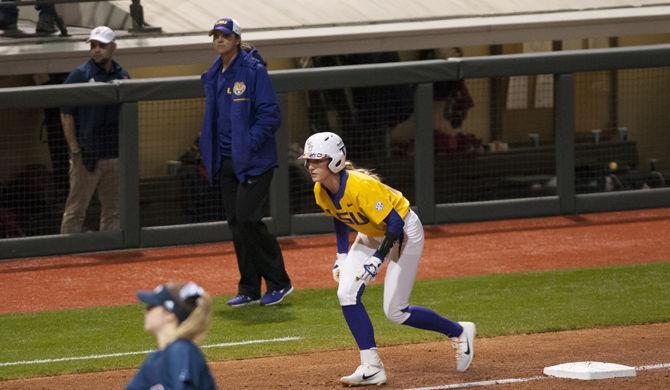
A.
pixel 589 370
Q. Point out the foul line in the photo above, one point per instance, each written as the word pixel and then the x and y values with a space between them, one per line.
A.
pixel 108 355
pixel 653 367
pixel 519 380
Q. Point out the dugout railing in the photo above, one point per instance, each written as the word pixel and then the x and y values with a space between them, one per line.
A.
pixel 281 220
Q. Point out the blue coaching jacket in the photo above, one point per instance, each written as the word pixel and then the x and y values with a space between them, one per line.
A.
pixel 254 116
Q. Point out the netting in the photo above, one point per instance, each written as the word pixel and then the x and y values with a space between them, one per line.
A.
pixel 500 146
pixel 621 136
pixel 173 183
pixel 494 139
pixel 375 123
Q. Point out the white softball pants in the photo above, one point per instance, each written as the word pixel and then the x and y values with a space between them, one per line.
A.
pixel 400 273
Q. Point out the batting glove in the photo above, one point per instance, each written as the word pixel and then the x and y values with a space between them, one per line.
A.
pixel 369 270
pixel 338 265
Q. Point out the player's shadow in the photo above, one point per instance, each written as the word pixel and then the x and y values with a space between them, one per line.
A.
pixel 256 314
pixel 114 257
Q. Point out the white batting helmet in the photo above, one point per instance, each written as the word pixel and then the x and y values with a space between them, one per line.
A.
pixel 326 145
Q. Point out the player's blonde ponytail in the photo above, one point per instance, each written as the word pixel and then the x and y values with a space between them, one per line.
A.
pixel 349 166
pixel 196 325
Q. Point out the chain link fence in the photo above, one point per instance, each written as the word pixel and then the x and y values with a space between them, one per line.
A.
pixel 493 134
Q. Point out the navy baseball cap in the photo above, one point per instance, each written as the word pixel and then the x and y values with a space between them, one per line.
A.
pixel 181 305
pixel 227 26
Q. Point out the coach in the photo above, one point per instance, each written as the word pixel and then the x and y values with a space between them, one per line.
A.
pixel 238 149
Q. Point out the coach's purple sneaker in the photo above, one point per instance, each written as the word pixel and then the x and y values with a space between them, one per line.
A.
pixel 241 300
pixel 276 296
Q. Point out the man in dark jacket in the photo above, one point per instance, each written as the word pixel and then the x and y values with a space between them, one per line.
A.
pixel 238 149
pixel 92 135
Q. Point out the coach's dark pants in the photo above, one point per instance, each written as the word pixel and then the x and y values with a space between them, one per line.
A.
pixel 258 252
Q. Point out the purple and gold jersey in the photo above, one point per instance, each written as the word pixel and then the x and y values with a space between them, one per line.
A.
pixel 363 203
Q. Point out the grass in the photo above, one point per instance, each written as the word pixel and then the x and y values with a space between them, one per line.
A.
pixel 499 304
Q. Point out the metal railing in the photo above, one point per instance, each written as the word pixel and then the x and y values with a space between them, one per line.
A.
pixel 422 74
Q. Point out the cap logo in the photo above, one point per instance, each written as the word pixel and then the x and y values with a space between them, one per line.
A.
pixel 227 25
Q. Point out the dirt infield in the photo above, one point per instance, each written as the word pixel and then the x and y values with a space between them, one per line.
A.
pixel 454 250
pixel 432 364
pixel 111 278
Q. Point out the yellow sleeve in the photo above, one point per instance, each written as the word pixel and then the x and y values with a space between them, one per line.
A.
pixel 378 201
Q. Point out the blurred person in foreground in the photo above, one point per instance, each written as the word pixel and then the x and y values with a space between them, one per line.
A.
pixel 178 315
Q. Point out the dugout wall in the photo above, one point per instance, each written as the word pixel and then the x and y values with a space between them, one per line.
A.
pixel 543 133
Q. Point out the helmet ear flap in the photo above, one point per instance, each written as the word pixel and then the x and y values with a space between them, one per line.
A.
pixel 336 163
pixel 326 145
pixel 339 155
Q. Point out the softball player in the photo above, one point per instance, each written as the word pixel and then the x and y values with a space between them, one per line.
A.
pixel 179 316
pixel 387 229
